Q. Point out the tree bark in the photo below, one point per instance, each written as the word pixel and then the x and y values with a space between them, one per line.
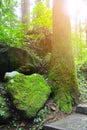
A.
pixel 37 0
pixel 25 10
pixel 86 30
pixel 48 3
pixel 62 68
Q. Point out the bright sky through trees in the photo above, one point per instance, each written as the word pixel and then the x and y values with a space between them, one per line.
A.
pixel 77 8
pixel 74 8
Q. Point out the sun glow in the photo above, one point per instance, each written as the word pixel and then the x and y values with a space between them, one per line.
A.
pixel 77 8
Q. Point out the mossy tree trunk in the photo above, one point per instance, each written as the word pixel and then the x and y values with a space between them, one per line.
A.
pixel 62 71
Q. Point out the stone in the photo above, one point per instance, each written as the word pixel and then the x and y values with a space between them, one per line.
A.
pixel 22 61
pixel 12 74
pixel 13 58
pixel 82 108
pixel 28 93
pixel 4 63
pixel 72 122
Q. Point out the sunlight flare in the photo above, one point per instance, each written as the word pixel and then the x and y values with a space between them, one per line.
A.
pixel 76 8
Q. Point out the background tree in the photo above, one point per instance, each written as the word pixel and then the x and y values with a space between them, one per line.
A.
pixel 62 72
pixel 40 28
pixel 37 0
pixel 0 2
pixel 25 10
pixel 86 29
pixel 48 3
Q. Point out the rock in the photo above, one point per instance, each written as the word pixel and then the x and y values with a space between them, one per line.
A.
pixel 11 74
pixel 82 108
pixel 4 60
pixel 28 93
pixel 13 58
pixel 4 111
pixel 17 58
pixel 71 122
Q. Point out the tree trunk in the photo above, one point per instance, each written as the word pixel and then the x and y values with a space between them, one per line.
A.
pixel 25 10
pixel 37 0
pixel 86 30
pixel 62 71
pixel 0 2
pixel 48 3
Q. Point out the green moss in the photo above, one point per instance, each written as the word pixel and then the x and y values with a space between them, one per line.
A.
pixel 64 100
pixel 29 93
pixel 64 86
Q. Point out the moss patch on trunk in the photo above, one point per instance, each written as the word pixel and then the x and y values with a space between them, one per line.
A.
pixel 64 86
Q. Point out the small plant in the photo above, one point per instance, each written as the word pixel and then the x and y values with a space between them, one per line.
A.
pixel 41 118
pixel 13 123
pixel 82 82
pixel 3 108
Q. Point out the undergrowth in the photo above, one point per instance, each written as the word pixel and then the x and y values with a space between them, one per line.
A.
pixel 82 81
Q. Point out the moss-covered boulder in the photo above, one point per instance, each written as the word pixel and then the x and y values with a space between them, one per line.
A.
pixel 4 111
pixel 13 58
pixel 28 93
pixel 4 63
pixel 23 61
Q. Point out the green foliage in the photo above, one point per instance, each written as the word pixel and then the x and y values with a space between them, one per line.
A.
pixel 11 30
pixel 42 16
pixel 82 81
pixel 41 118
pixel 45 64
pixel 40 28
pixel 4 111
pixel 79 48
pixel 80 53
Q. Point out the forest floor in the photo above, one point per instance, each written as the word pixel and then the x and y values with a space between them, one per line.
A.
pixel 48 114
